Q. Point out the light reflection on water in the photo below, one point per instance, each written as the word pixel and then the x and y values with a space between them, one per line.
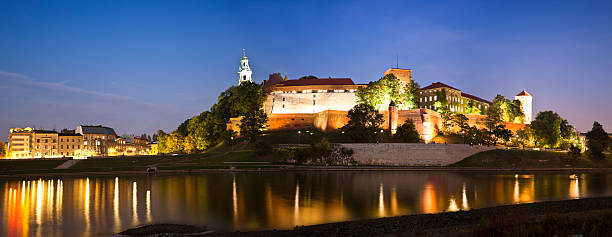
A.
pixel 247 201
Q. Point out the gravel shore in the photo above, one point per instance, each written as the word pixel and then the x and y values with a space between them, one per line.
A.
pixel 513 220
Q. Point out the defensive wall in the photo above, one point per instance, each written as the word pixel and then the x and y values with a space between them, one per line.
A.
pixel 412 154
pixel 428 122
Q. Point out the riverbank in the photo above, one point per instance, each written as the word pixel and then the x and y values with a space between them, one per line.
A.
pixel 589 216
pixel 244 160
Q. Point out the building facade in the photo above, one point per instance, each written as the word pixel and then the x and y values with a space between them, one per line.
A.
pixel 20 143
pixel 97 140
pixel 458 101
pixel 70 145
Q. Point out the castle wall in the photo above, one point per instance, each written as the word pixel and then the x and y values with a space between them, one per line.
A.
pixel 308 101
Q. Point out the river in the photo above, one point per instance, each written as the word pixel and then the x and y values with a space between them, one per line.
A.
pixel 102 205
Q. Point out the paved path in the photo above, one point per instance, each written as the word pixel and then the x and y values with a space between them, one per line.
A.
pixel 67 164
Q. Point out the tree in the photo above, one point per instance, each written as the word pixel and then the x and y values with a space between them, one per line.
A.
pixel 493 116
pixel 407 132
pixel 389 88
pixel 460 121
pixel 506 110
pixel 475 136
pixel 3 150
pixel 500 132
pixel 253 123
pixel 364 123
pixel 174 143
pixel 471 107
pixel 524 137
pixel 597 140
pixel 547 129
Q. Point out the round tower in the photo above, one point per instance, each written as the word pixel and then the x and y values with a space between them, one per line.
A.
pixel 526 102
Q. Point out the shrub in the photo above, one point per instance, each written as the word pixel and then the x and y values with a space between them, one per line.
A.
pixel 263 148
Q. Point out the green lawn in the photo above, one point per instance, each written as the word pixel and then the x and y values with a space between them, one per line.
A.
pixel 503 158
pixel 29 165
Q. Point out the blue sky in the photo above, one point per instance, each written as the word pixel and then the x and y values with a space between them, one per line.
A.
pixel 140 66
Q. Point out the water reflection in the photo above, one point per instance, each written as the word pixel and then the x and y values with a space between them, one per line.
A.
pixel 245 201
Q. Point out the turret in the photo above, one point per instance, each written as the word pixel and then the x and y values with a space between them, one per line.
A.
pixel 526 103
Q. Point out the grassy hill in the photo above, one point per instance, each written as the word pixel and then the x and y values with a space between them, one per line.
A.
pixel 502 158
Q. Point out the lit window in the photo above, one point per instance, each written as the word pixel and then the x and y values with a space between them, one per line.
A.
pixel 430 98
pixel 435 97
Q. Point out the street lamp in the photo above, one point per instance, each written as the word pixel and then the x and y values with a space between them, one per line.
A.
pixel 299 133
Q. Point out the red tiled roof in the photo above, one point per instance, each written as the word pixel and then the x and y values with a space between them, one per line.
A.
pixel 317 81
pixel 523 93
pixel 438 85
pixel 466 95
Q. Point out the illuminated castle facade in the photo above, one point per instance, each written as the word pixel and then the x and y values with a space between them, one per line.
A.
pixel 323 103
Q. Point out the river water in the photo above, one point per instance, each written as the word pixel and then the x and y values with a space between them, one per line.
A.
pixel 102 205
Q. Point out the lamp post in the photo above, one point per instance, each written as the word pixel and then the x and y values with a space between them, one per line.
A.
pixel 232 142
pixel 299 133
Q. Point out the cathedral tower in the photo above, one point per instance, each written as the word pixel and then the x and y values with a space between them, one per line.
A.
pixel 526 100
pixel 244 70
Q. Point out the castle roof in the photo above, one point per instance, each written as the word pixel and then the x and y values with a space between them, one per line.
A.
pixel 523 93
pixel 99 129
pixel 438 85
pixel 309 81
pixel 476 98
pixel 45 131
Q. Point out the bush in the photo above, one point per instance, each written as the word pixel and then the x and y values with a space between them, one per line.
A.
pixel 263 148
pixel 574 151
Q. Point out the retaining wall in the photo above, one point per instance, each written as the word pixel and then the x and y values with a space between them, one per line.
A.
pixel 412 154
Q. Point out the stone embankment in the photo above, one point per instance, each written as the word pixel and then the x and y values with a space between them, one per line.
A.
pixel 412 154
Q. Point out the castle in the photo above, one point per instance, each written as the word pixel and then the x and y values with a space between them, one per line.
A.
pixel 323 103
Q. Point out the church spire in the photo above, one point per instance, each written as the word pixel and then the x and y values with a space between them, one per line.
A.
pixel 244 71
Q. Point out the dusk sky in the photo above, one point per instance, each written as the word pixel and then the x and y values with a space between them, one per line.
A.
pixel 140 66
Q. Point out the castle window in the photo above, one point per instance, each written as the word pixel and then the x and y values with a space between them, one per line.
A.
pixel 430 98
pixel 435 97
pixel 314 102
pixel 314 96
pixel 283 106
pixel 283 98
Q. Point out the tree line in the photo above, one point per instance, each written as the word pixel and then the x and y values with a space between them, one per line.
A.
pixel 209 128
